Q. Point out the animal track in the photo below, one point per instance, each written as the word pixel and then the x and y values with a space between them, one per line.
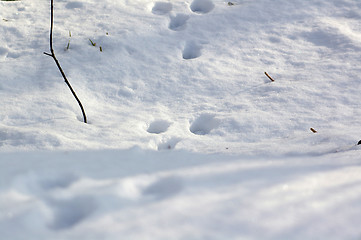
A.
pixel 192 50
pixel 158 126
pixel 162 8
pixel 68 213
pixel 202 6
pixel 329 39
pixel 3 53
pixel 59 182
pixel 17 138
pixel 72 5
pixel 178 22
pixel 125 92
pixel 168 144
pixel 164 187
pixel 204 124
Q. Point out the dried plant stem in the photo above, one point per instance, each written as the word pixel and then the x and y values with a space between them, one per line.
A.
pixel 52 54
pixel 269 76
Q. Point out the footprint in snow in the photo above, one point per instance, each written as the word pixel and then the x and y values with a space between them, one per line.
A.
pixel 191 50
pixel 168 144
pixel 178 22
pixel 158 126
pixel 202 6
pixel 164 187
pixel 162 8
pixel 72 5
pixel 204 124
pixel 63 181
pixel 3 53
pixel 70 212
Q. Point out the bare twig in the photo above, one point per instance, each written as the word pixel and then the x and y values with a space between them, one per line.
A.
pixel 52 54
pixel 269 76
pixel 68 46
pixel 92 43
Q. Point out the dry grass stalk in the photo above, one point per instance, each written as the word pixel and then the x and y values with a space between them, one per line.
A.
pixel 269 76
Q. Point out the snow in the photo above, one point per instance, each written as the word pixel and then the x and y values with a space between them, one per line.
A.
pixel 187 138
pixel 144 194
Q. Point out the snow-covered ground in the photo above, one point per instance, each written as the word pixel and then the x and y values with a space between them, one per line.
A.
pixel 187 137
pixel 138 194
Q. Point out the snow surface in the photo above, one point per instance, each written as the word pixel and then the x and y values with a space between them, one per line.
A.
pixel 187 137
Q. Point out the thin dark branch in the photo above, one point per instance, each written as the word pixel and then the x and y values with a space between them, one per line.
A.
pixel 52 54
pixel 270 78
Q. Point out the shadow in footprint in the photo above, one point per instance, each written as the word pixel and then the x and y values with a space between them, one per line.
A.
pixel 68 213
pixel 169 144
pixel 161 8
pixel 3 53
pixel 204 124
pixel 192 50
pixel 164 187
pixel 58 182
pixel 72 5
pixel 178 22
pixel 202 6
pixel 158 126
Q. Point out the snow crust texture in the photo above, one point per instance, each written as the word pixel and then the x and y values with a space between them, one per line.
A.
pixel 179 61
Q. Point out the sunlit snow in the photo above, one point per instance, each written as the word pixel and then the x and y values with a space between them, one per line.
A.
pixel 187 138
